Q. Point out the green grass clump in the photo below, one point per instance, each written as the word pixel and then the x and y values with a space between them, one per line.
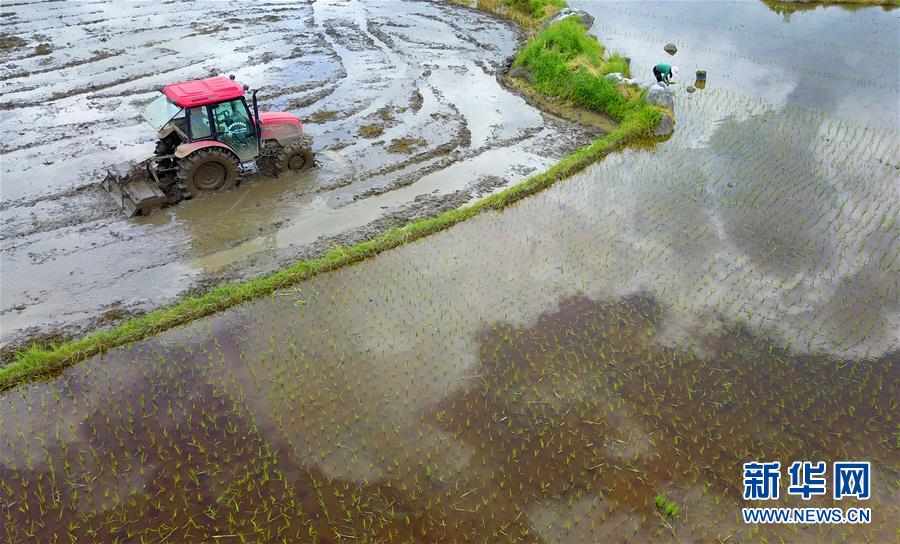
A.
pixel 666 508
pixel 11 42
pixel 559 44
pixel 525 13
pixel 565 61
pixel 536 8
pixel 371 131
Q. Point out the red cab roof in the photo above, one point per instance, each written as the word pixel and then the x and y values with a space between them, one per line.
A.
pixel 200 92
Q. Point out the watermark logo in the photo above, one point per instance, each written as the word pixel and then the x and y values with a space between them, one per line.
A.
pixel 761 481
pixel 807 479
pixel 850 479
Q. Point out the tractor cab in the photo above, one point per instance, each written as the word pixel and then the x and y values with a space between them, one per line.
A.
pixel 209 136
pixel 212 109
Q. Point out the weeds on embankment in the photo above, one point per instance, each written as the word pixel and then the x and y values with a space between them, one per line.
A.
pixel 525 13
pixel 565 61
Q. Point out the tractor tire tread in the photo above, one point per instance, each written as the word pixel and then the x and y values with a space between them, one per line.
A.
pixel 302 147
pixel 189 164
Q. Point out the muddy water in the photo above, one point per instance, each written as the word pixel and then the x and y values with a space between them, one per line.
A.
pixel 421 71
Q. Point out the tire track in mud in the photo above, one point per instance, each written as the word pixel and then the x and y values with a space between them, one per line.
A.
pixel 86 203
pixel 76 264
pixel 101 55
pixel 61 133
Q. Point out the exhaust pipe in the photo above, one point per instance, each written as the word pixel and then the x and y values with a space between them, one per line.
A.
pixel 258 121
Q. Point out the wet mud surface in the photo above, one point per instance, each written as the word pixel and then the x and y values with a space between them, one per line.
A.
pixel 402 99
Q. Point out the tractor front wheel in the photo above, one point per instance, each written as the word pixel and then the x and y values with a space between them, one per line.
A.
pixel 208 169
pixel 296 157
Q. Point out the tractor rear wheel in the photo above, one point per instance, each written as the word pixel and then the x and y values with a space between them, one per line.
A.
pixel 208 169
pixel 296 157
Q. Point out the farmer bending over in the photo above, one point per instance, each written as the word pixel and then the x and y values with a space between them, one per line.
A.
pixel 665 73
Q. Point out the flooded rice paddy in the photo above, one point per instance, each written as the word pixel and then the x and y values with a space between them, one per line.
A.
pixel 419 72
pixel 540 374
pixel 831 59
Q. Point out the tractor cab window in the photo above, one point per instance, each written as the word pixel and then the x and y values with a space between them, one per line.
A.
pixel 233 119
pixel 234 127
pixel 160 112
pixel 199 121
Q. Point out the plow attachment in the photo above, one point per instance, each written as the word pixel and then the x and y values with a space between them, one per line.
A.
pixel 137 188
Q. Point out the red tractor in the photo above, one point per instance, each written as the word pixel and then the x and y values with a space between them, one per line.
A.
pixel 208 137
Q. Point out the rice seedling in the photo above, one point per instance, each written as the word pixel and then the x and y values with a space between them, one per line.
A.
pixel 666 508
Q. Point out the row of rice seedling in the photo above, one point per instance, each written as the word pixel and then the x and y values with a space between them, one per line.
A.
pixel 583 406
pixel 542 372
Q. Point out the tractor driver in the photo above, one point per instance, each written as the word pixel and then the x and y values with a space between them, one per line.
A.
pixel 199 122
pixel 234 125
pixel 237 127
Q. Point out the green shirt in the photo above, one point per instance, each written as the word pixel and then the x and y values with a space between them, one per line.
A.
pixel 664 69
